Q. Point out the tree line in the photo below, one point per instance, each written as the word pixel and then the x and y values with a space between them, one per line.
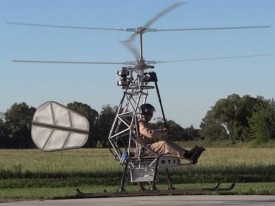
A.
pixel 232 118
pixel 15 125
pixel 240 119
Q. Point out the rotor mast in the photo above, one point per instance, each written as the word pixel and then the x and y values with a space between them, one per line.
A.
pixel 140 32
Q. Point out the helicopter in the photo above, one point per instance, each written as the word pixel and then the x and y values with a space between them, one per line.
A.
pixel 55 127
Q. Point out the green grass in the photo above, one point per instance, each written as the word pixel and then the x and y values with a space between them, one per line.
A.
pixel 37 174
pixel 37 161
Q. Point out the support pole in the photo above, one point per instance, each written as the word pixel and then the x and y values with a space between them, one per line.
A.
pixel 122 189
pixel 155 175
pixel 163 115
pixel 170 184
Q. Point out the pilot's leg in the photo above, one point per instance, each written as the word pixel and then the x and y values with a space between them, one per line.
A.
pixel 164 147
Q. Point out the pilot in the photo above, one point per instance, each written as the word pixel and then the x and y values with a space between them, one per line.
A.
pixel 147 138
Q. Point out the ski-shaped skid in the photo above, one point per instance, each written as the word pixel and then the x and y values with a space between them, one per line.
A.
pixel 215 188
pixel 224 189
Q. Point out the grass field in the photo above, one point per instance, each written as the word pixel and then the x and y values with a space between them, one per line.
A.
pixel 38 174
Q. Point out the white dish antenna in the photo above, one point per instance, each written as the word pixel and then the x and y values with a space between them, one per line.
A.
pixel 55 127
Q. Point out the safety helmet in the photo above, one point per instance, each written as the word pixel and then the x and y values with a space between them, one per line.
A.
pixel 147 109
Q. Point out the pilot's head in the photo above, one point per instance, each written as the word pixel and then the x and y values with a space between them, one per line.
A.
pixel 147 111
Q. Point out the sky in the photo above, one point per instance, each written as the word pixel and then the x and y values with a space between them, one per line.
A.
pixel 188 89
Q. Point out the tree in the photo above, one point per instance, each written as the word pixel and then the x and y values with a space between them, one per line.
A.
pixel 227 112
pixel 5 140
pixel 262 123
pixel 177 132
pixel 212 129
pixel 91 115
pixel 192 133
pixel 224 114
pixel 18 120
pixel 236 117
pixel 104 124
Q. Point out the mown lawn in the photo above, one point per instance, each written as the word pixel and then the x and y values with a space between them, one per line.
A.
pixel 37 174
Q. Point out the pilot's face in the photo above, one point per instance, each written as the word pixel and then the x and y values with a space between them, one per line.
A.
pixel 149 116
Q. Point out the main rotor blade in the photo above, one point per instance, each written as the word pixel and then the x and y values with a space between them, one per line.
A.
pixel 210 58
pixel 140 30
pixel 66 27
pixel 131 48
pixel 147 62
pixel 151 21
pixel 72 62
pixel 162 13
pixel 212 28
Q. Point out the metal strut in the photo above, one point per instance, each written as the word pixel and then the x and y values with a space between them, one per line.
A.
pixel 122 189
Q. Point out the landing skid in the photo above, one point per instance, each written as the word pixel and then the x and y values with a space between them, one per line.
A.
pixel 216 188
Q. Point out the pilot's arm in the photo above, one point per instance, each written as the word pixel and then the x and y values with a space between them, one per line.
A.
pixel 150 133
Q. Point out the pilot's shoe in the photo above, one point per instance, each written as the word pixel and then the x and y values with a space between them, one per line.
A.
pixel 194 154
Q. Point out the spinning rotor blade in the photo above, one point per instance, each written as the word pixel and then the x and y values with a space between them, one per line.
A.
pixel 128 42
pixel 210 58
pixel 151 21
pixel 140 30
pixel 65 27
pixel 212 28
pixel 146 62
pixel 72 62
pixel 162 13
pixel 131 48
